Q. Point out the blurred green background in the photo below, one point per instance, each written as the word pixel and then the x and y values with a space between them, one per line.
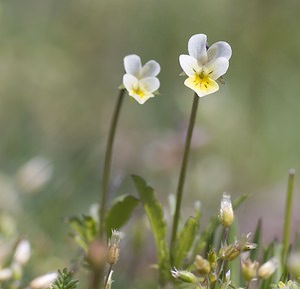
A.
pixel 61 63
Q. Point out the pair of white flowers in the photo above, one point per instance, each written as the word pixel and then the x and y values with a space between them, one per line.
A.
pixel 204 66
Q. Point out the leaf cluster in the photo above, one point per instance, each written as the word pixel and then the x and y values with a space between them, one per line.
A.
pixel 64 281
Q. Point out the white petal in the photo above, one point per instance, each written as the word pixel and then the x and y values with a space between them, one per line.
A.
pixel 219 49
pixel 43 281
pixel 197 47
pixel 130 81
pixel 5 274
pixel 151 68
pixel 140 99
pixel 149 84
pixel 189 64
pixel 132 64
pixel 22 253
pixel 217 67
pixel 210 87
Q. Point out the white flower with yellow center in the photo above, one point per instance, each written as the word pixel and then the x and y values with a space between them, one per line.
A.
pixel 140 81
pixel 203 65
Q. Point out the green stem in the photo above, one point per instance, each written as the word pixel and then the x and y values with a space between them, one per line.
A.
pixel 183 172
pixel 287 218
pixel 107 160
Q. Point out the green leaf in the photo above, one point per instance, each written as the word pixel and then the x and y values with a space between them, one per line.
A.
pixel 235 264
pixel 237 202
pixel 85 230
pixel 64 281
pixel 256 240
pixel 185 241
pixel 120 212
pixel 268 254
pixel 155 216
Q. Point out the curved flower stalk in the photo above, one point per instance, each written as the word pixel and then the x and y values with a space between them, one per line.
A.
pixel 140 81
pixel 204 65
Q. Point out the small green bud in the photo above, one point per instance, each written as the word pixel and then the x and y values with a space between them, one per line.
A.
pixel 229 252
pixel 213 277
pixel 249 269
pixel 184 276
pixel 202 265
pixel 288 285
pixel 226 215
pixel 212 259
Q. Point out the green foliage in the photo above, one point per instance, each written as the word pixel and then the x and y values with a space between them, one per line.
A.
pixel 155 216
pixel 208 235
pixel 64 281
pixel 85 230
pixel 185 241
pixel 256 240
pixel 119 213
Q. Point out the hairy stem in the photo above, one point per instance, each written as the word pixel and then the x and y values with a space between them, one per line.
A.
pixel 183 172
pixel 107 161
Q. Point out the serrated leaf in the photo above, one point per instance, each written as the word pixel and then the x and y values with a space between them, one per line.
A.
pixel 185 241
pixel 64 281
pixel 155 216
pixel 119 213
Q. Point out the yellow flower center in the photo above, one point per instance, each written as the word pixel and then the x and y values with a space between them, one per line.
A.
pixel 138 91
pixel 203 81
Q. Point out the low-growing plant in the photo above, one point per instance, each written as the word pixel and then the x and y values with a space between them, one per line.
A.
pixel 213 257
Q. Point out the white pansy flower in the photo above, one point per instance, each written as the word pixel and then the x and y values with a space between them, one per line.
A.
pixel 204 65
pixel 140 81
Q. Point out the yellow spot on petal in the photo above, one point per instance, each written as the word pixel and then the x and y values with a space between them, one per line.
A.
pixel 138 91
pixel 201 84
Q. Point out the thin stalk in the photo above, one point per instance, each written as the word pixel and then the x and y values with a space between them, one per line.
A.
pixel 222 263
pixel 107 276
pixel 287 218
pixel 95 278
pixel 183 172
pixel 107 161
